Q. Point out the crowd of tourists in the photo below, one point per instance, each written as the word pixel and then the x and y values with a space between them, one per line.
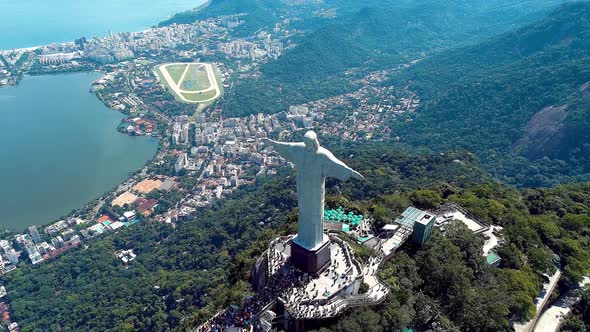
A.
pixel 292 285
pixel 240 318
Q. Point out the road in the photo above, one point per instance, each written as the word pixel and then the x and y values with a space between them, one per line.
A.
pixel 541 302
pixel 552 318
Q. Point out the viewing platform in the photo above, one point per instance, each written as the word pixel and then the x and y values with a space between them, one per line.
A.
pixel 327 294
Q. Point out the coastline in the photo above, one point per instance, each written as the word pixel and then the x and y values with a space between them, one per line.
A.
pixel 23 49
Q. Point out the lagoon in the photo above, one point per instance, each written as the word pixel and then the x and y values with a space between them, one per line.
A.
pixel 59 148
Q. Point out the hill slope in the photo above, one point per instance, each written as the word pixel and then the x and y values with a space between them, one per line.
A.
pixel 524 93
pixel 260 12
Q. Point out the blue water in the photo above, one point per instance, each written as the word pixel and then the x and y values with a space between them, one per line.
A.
pixel 60 148
pixel 26 23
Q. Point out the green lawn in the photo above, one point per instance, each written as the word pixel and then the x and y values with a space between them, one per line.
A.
pixel 144 62
pixel 175 72
pixel 195 79
pixel 203 79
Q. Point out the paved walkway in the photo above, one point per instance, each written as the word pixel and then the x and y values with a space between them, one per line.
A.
pixel 492 242
pixel 336 277
pixel 552 318
pixel 313 301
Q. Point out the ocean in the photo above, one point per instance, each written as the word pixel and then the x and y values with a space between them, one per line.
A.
pixel 39 22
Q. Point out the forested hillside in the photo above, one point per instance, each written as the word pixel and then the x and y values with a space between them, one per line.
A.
pixel 260 13
pixel 188 271
pixel 518 100
pixel 447 284
pixel 513 107
pixel 524 93
pixel 183 276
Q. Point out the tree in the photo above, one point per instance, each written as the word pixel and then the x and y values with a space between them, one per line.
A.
pixel 425 199
pixel 520 287
pixel 541 260
pixel 363 288
pixel 576 222
pixel 574 324
pixel 381 215
pixel 511 256
pixel 363 320
pixel 469 244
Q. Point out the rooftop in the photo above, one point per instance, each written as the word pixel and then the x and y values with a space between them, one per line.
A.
pixel 413 215
pixel 492 258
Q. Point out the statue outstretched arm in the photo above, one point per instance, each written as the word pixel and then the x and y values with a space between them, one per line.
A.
pixel 338 169
pixel 356 174
pixel 288 150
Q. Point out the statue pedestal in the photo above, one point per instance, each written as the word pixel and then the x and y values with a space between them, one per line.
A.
pixel 310 261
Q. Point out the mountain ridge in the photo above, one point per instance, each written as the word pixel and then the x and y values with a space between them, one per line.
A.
pixel 482 97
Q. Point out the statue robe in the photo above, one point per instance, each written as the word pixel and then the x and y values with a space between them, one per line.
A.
pixel 312 169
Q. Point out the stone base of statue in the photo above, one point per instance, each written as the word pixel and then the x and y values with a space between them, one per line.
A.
pixel 312 261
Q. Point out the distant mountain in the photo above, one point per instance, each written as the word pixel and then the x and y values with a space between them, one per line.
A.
pixel 374 35
pixel 523 94
pixel 388 32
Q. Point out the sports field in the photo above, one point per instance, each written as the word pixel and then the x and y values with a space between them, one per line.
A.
pixel 124 198
pixel 195 82
pixel 147 186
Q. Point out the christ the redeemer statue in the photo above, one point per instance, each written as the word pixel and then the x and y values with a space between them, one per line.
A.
pixel 313 164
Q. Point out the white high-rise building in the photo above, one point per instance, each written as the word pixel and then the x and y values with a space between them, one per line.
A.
pixel 12 256
pixel 181 162
pixel 35 234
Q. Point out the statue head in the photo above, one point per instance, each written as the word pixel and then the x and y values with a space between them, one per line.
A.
pixel 311 141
